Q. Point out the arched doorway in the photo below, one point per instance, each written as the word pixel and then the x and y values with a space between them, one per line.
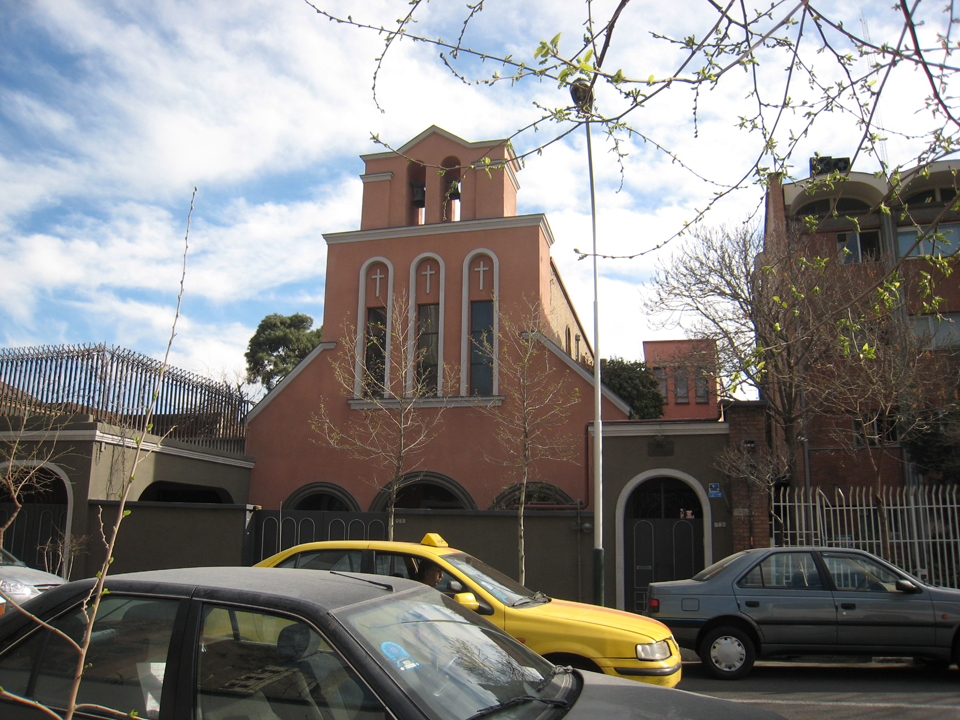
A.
pixel 173 492
pixel 663 532
pixel 40 534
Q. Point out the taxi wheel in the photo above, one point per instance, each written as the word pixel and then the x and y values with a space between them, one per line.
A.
pixel 727 653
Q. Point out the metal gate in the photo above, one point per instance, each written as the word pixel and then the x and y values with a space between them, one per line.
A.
pixel 659 550
pixel 271 531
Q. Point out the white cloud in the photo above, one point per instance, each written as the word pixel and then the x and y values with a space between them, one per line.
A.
pixel 112 111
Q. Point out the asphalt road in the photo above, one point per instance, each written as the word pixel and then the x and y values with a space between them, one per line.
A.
pixel 831 690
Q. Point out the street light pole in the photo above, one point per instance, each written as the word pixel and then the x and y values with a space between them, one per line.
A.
pixel 582 94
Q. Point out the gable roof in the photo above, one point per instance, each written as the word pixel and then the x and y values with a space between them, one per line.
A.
pixel 287 379
pixel 584 373
pixel 408 146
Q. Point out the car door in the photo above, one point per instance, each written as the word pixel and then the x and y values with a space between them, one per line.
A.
pixel 871 612
pixel 786 597
pixel 254 663
pixel 127 668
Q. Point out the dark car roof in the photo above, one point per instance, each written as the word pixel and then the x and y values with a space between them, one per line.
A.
pixel 322 590
pixel 329 590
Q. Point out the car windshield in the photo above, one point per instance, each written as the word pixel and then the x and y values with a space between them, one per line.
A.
pixel 709 572
pixel 8 559
pixel 454 666
pixel 503 588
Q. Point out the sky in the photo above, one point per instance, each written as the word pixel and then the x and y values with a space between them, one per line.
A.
pixel 111 113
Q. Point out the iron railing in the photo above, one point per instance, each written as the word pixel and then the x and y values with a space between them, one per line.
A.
pixel 115 386
pixel 921 525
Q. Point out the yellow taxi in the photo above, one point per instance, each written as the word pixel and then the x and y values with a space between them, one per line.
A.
pixel 587 637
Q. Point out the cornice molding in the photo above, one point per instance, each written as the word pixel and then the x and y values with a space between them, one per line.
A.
pixel 461 226
pixel 449 401
pixel 98 436
pixel 648 429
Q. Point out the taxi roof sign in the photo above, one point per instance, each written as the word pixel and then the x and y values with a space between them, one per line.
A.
pixel 434 540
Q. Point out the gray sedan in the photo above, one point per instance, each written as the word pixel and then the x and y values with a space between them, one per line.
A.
pixel 769 602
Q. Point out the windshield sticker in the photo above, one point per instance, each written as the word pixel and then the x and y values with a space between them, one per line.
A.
pixel 398 656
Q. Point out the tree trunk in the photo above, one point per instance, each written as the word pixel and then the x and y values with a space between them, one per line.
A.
pixel 520 541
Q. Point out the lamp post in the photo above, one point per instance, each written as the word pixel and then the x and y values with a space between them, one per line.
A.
pixel 582 94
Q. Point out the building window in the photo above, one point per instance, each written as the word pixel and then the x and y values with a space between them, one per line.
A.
pixel 932 196
pixel 428 348
pixel 481 347
pixel 702 387
pixel 945 241
pixel 681 389
pixel 825 206
pixel 859 247
pixel 661 375
pixel 375 352
pixel 938 331
pixel 879 431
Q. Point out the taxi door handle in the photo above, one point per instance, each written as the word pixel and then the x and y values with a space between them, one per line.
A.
pixel 848 606
pixel 752 603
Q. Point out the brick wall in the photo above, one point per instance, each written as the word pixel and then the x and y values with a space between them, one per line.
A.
pixel 750 505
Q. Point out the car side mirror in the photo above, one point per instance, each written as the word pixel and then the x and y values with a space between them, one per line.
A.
pixel 905 586
pixel 468 600
pixel 455 586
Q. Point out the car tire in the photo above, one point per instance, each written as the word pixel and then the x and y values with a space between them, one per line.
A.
pixel 727 653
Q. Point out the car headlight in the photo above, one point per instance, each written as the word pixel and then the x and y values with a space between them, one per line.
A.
pixel 654 651
pixel 14 587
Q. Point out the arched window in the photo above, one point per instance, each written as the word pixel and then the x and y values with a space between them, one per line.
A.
pixel 426 316
pixel 323 496
pixel 373 331
pixel 426 491
pixel 539 493
pixel 824 206
pixel 480 342
pixel 931 196
pixel 663 498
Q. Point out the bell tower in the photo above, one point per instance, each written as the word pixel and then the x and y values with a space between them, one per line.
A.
pixel 437 178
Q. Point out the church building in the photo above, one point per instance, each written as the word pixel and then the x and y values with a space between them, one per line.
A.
pixel 440 261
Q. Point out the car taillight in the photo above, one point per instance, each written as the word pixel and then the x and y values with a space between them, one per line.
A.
pixel 653 605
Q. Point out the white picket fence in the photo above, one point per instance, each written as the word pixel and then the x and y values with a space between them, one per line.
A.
pixel 924 525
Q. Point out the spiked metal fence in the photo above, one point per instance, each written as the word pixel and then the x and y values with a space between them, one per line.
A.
pixel 115 386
